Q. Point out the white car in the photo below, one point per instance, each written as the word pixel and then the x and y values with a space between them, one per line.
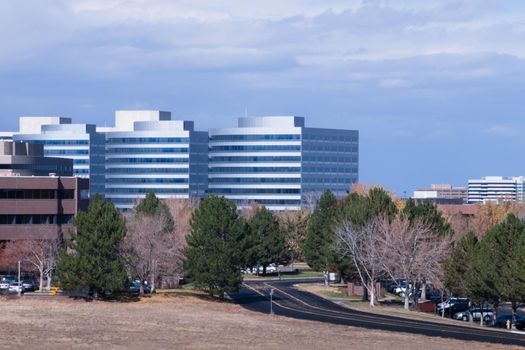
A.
pixel 6 282
pixel 16 287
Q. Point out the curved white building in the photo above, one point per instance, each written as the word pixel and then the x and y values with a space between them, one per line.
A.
pixel 147 151
pixel 277 162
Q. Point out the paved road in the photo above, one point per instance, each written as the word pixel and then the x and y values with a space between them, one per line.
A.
pixel 292 302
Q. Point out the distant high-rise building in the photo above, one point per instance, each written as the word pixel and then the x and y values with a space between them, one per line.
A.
pixel 278 162
pixel 441 194
pixel 147 151
pixel 61 139
pixel 496 188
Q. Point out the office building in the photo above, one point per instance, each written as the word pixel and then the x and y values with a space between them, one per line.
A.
pixel 62 139
pixel 38 195
pixel 26 159
pixel 278 162
pixel 496 188
pixel 147 151
pixel 441 194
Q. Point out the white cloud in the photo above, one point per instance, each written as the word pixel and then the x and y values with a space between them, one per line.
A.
pixel 503 130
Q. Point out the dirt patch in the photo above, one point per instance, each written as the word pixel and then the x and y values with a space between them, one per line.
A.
pixel 185 323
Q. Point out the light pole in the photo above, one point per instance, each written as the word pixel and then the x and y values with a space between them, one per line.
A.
pixel 19 289
pixel 271 301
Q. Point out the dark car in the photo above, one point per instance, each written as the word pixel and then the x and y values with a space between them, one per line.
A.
pixel 501 321
pixel 134 287
pixel 29 285
pixel 453 305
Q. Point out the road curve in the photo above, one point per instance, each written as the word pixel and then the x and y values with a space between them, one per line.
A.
pixel 292 302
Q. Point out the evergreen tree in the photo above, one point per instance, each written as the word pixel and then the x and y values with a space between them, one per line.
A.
pixel 458 264
pixel 268 243
pixel 430 215
pixel 318 244
pixel 498 264
pixel 213 257
pixel 151 206
pixel 92 262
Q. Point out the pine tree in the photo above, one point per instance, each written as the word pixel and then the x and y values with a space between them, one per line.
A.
pixel 430 215
pixel 213 257
pixel 318 250
pixel 268 243
pixel 92 262
pixel 458 264
pixel 151 206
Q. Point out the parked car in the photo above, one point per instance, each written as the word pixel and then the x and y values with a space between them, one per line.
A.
pixel 134 287
pixel 6 281
pixel 16 287
pixel 29 285
pixel 475 314
pixel 453 306
pixel 501 321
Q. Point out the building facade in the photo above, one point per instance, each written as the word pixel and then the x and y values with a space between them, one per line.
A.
pixel 278 162
pixel 496 188
pixel 61 139
pixel 442 194
pixel 26 159
pixel 40 207
pixel 38 195
pixel 147 151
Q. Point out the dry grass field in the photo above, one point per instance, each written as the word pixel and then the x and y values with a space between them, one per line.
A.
pixel 184 322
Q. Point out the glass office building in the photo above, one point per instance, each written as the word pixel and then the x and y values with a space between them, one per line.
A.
pixel 146 151
pixel 280 163
pixel 61 139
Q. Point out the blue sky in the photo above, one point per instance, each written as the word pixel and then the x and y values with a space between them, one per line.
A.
pixel 436 88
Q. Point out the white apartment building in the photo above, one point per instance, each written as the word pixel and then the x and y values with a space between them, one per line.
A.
pixel 147 151
pixel 496 188
pixel 278 162
pixel 62 139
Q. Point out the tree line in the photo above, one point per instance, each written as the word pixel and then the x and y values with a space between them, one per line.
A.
pixel 365 237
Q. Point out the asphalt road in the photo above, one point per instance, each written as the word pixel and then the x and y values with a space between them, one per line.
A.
pixel 295 303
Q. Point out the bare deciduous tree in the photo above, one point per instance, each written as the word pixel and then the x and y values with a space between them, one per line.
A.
pixel 412 251
pixel 40 253
pixel 361 244
pixel 142 248
pixel 294 225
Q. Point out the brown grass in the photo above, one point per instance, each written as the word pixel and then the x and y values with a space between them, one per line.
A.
pixel 178 322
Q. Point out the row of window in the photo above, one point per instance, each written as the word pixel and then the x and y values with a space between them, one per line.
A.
pixel 146 190
pixel 255 190
pixel 335 159
pixel 147 160
pixel 37 167
pixel 328 180
pixel 36 194
pixel 253 137
pixel 36 219
pixel 235 180
pixel 121 171
pixel 147 150
pixel 269 201
pixel 256 148
pixel 69 152
pixel 139 180
pixel 60 142
pixel 330 137
pixel 148 139
pixel 326 169
pixel 255 170
pixel 329 148
pixel 257 159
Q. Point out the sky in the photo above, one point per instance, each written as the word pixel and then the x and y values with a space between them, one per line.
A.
pixel 435 88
